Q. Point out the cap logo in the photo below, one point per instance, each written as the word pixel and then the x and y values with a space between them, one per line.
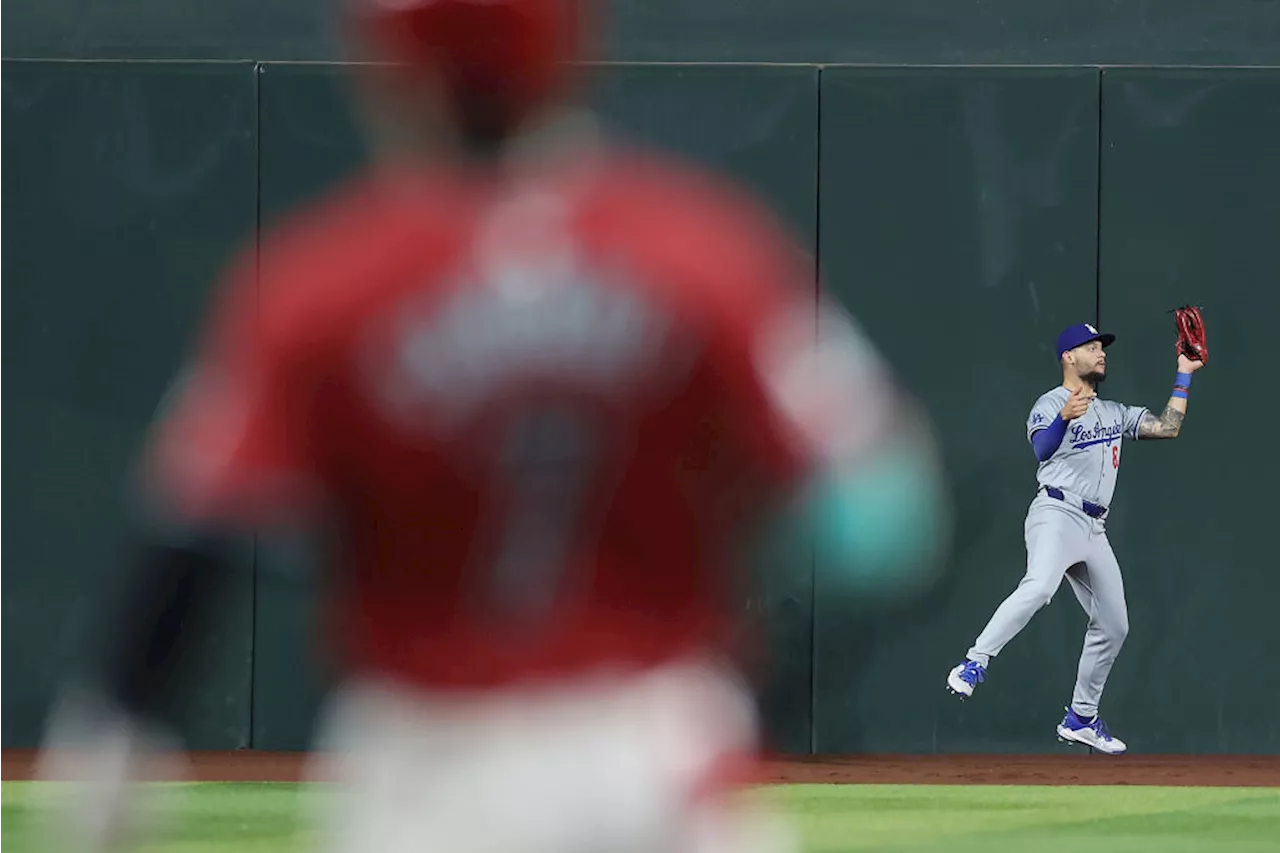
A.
pixel 1091 329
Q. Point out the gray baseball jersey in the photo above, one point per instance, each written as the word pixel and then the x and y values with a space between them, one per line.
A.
pixel 1088 459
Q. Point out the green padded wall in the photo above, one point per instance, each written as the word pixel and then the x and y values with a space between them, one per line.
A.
pixel 1191 214
pixel 126 187
pixel 957 221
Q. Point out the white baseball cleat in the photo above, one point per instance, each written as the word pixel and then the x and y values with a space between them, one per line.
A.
pixel 964 678
pixel 1092 733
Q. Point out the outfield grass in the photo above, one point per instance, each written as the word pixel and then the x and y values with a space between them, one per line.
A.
pixel 1037 819
pixel 269 818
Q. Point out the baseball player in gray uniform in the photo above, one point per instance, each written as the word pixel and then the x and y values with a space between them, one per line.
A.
pixel 1077 439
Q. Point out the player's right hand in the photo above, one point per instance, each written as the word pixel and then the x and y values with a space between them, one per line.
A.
pixel 1078 403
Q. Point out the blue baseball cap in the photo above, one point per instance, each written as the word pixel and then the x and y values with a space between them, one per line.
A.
pixel 1081 333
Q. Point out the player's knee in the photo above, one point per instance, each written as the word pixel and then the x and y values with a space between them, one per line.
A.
pixel 1114 630
pixel 1120 629
pixel 1041 593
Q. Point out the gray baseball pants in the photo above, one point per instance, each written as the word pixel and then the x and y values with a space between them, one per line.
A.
pixel 1063 541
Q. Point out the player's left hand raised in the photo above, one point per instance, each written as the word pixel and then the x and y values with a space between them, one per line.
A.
pixel 1193 344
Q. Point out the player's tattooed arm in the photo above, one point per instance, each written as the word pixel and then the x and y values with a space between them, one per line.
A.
pixel 1168 425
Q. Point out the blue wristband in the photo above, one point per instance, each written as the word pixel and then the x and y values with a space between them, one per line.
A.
pixel 1180 392
pixel 1182 380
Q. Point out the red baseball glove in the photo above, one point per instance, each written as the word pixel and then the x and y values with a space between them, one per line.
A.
pixel 1191 339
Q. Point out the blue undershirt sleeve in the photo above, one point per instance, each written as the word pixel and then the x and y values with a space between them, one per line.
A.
pixel 1046 441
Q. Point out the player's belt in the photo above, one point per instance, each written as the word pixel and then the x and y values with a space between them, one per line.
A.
pixel 1090 508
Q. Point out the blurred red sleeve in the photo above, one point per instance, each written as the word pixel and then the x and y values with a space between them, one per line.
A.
pixel 811 388
pixel 233 442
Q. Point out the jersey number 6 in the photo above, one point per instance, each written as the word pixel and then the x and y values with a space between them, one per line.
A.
pixel 1115 456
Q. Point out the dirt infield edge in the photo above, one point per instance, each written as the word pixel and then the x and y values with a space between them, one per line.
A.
pixel 1205 770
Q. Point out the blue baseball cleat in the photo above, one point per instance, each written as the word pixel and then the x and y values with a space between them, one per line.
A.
pixel 965 677
pixel 1092 733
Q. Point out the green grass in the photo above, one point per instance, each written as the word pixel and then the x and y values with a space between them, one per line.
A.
pixel 991 819
pixel 197 818
pixel 270 818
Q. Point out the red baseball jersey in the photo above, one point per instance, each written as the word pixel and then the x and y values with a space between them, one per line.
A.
pixel 530 411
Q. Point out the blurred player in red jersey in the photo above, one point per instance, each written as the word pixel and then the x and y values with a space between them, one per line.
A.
pixel 537 389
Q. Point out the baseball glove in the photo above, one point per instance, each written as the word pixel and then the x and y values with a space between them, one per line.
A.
pixel 1191 339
